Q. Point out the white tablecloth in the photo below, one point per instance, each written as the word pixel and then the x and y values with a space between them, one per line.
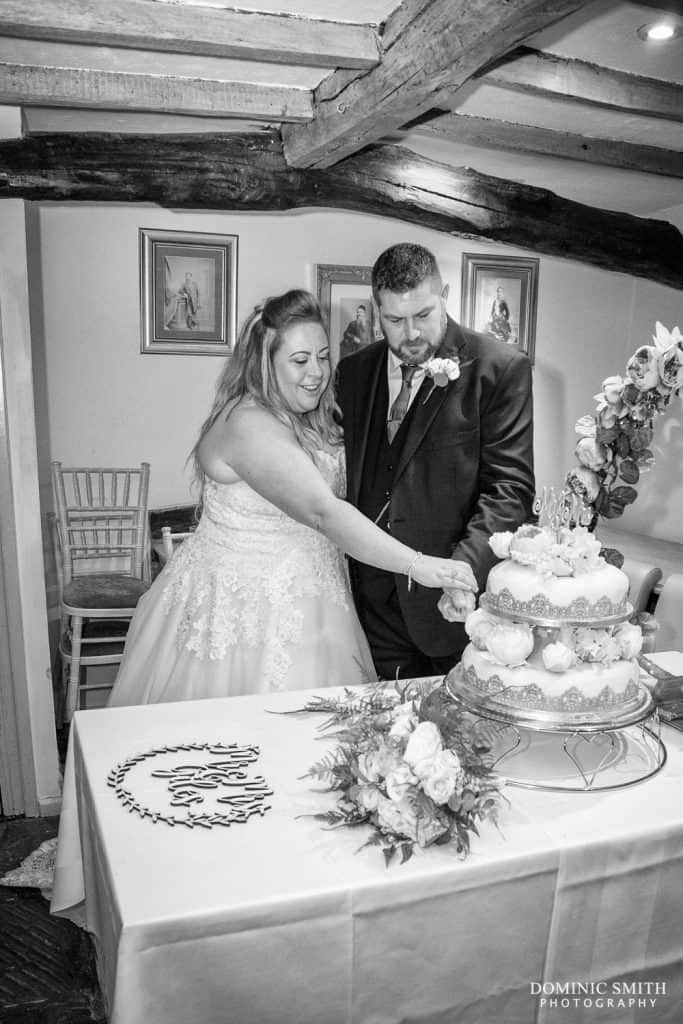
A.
pixel 278 920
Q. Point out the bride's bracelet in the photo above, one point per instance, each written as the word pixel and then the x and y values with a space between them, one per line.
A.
pixel 415 559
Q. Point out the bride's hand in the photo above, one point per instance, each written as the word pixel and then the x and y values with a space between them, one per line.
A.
pixel 443 572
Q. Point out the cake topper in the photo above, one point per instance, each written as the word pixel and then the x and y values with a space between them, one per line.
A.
pixel 560 509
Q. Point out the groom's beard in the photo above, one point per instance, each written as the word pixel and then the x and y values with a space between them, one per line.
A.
pixel 427 349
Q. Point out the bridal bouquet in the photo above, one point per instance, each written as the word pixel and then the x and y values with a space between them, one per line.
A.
pixel 614 443
pixel 417 770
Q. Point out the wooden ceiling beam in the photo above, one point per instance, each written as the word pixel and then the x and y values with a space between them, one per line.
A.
pixel 248 172
pixel 205 31
pixel 38 85
pixel 546 74
pixel 430 47
pixel 524 138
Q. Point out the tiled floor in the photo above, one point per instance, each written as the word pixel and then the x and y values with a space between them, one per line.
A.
pixel 47 964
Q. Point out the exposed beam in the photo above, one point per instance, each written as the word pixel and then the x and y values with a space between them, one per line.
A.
pixel 37 85
pixel 547 74
pixel 206 31
pixel 431 47
pixel 524 138
pixel 248 172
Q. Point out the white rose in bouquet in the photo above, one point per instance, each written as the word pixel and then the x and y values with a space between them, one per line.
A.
pixel 404 720
pixel 368 798
pixel 375 764
pixel 401 819
pixel 558 657
pixel 423 745
pixel 441 781
pixel 399 781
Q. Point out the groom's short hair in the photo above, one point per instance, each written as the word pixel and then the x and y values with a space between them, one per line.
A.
pixel 403 267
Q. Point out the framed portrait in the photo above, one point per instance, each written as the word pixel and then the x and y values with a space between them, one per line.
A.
pixel 188 292
pixel 499 297
pixel 348 308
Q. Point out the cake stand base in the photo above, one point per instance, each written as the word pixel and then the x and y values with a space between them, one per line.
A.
pixel 567 757
pixel 578 762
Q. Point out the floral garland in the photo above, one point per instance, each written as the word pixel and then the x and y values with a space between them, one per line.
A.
pixel 416 770
pixel 614 443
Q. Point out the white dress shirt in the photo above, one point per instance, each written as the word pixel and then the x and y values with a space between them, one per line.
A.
pixel 395 379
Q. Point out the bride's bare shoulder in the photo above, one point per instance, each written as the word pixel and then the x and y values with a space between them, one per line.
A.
pixel 241 432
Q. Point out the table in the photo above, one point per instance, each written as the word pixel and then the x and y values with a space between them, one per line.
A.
pixel 279 920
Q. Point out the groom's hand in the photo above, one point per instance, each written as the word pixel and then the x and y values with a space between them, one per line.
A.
pixel 456 605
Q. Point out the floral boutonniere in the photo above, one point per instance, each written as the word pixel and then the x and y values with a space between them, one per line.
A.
pixel 442 371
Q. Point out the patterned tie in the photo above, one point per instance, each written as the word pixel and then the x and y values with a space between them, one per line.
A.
pixel 400 407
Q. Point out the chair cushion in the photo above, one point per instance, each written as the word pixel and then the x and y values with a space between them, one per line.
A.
pixel 104 590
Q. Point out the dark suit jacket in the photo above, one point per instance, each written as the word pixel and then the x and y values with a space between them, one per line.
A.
pixel 466 469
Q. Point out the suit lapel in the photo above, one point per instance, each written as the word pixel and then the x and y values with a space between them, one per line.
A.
pixel 453 346
pixel 366 397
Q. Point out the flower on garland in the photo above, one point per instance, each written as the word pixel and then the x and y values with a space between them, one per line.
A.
pixel 614 443
pixel 417 771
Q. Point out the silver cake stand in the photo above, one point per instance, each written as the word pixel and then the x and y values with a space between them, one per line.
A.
pixel 577 752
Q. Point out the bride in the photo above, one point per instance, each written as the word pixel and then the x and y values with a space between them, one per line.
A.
pixel 257 599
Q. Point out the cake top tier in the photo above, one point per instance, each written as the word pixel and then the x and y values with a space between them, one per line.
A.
pixel 555 577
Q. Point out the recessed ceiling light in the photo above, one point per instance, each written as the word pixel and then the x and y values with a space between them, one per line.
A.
pixel 659 31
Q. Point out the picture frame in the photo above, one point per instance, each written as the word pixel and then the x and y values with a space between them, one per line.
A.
pixel 348 307
pixel 188 292
pixel 499 297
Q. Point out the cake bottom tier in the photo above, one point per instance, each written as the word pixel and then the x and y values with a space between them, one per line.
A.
pixel 586 691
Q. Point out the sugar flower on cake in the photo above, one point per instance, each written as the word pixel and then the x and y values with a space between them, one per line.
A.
pixel 500 543
pixel 558 657
pixel 615 441
pixel 530 543
pixel 582 549
pixel 629 637
pixel 478 625
pixel 596 645
pixel 510 643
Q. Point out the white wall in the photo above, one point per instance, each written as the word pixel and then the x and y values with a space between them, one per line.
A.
pixel 106 403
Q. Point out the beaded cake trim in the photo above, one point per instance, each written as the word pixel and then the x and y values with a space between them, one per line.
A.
pixel 540 607
pixel 532 696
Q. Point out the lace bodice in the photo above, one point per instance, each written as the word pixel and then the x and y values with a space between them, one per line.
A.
pixel 237 517
pixel 244 575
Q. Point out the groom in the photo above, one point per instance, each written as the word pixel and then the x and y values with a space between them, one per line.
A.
pixel 441 460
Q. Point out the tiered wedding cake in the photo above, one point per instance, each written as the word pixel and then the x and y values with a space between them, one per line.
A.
pixel 550 641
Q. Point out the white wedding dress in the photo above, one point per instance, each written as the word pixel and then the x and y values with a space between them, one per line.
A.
pixel 252 602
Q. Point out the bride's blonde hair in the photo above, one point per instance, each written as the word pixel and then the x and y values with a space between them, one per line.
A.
pixel 249 372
